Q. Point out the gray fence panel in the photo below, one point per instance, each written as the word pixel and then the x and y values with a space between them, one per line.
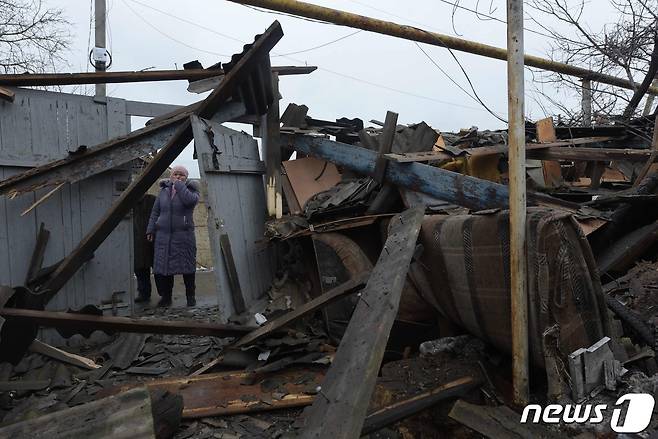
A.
pixel 42 126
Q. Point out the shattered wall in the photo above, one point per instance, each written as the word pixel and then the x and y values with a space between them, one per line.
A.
pixel 36 128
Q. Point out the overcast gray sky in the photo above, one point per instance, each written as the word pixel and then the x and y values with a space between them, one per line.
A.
pixel 362 75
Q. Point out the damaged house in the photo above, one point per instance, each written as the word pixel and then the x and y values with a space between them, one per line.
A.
pixel 362 271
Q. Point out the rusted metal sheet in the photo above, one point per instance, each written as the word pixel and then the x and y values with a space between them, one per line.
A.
pixel 340 409
pixel 230 393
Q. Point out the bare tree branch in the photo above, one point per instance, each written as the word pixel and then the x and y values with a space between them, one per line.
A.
pixel 33 38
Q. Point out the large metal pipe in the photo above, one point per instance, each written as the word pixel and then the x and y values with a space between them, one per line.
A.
pixel 349 19
pixel 517 201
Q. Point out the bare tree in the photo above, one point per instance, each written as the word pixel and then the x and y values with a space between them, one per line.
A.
pixel 33 37
pixel 626 48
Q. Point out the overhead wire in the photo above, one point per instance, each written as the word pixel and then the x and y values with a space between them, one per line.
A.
pixel 470 83
pixel 148 23
pixel 476 97
pixel 457 5
pixel 324 69
pixel 443 71
pixel 321 45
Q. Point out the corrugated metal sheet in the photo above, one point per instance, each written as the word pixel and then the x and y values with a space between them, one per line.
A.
pixel 42 126
pixel 236 206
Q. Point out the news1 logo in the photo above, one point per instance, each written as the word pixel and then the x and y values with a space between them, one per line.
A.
pixel 638 413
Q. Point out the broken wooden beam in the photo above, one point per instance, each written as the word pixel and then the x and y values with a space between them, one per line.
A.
pixel 644 332
pixel 36 261
pixel 498 422
pixel 400 410
pixel 385 145
pixel 244 70
pixel 231 393
pixel 625 252
pixel 347 288
pixel 589 154
pixel 50 351
pixel 232 272
pixel 87 322
pixel 97 159
pixel 340 408
pixel 44 79
pixel 463 190
pixel 129 414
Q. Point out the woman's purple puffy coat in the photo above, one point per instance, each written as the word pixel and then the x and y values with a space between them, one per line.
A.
pixel 172 223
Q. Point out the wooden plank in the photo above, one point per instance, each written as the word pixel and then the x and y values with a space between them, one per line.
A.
pixel 36 262
pixel 551 169
pixel 86 322
pixel 50 351
pixel 588 154
pixel 204 85
pixel 271 145
pixel 347 389
pixel 44 79
pixel 400 410
pixel 159 164
pixel 234 280
pixel 128 414
pixel 345 289
pixel 385 145
pixel 545 130
pixel 623 253
pixel 149 109
pixel 498 422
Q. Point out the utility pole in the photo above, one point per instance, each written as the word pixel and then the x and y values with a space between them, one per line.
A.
pixel 99 21
pixel 517 201
pixel 587 102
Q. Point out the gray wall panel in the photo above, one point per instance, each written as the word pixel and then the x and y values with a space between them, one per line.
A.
pixel 39 127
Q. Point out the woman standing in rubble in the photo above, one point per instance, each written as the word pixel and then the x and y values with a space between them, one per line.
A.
pixel 172 228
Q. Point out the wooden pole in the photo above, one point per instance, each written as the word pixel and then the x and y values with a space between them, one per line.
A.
pixel 356 21
pixel 517 200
